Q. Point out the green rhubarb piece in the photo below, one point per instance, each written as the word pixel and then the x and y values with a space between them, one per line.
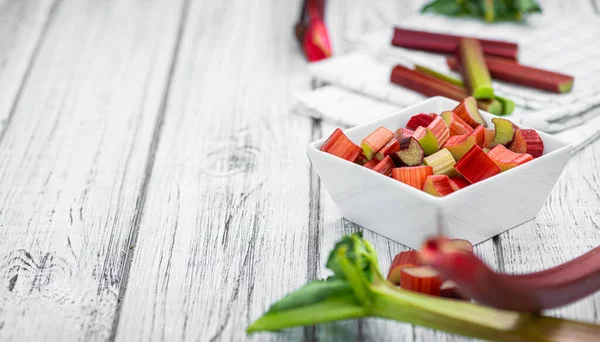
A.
pixel 427 140
pixel 442 162
pixel 491 106
pixel 358 289
pixel 508 106
pixel 504 132
pixel 439 75
pixel 475 72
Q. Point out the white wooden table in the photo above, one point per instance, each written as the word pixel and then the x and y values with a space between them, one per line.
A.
pixel 154 185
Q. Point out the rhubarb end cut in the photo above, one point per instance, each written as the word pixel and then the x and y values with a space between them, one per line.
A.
pixel 565 87
pixel 483 92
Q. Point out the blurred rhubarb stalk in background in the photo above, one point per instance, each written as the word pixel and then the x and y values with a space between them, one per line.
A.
pixel 311 31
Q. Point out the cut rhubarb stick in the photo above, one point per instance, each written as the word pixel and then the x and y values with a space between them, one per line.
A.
pixel 445 43
pixel 450 290
pixel 421 279
pixel 401 261
pixel 392 146
pixel 533 292
pixel 460 244
pixel 425 84
pixel 474 70
pixel 411 153
pixel 442 162
pixel 467 110
pixel 371 163
pixel 456 125
pixel 479 134
pixel 440 130
pixel 427 140
pixel 376 141
pixel 459 182
pixel 489 136
pixel 403 133
pixel 339 145
pixel 459 145
pixel 504 132
pixel 414 176
pixel 527 141
pixel 513 72
pixel 439 185
pixel 506 158
pixel 385 166
pixel 422 120
pixel 361 159
pixel 476 166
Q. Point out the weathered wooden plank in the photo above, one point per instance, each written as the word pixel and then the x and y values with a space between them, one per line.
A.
pixel 73 162
pixel 225 227
pixel 22 24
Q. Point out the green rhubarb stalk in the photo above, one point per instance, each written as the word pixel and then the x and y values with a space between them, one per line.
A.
pixel 503 106
pixel 475 72
pixel 358 289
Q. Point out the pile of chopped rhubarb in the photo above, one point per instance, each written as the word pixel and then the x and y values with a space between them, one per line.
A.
pixel 478 61
pixel 441 153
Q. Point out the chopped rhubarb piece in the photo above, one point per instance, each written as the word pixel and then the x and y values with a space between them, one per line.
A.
pixel 458 244
pixel 527 141
pixel 414 176
pixel 459 145
pixel 411 153
pixel 445 43
pixel 508 106
pixel 339 145
pixel 421 279
pixel 376 141
pixel 467 110
pixel 442 162
pixel 459 182
pixel 474 70
pixel 456 125
pixel 425 84
pixel 479 133
pixel 492 106
pixel 440 130
pixel 371 163
pixel 450 290
pixel 532 292
pixel 439 185
pixel 476 166
pixel 422 120
pixel 391 147
pixel 361 159
pixel 403 133
pixel 504 132
pixel 489 136
pixel 506 158
pixel 427 140
pixel 513 72
pixel 402 260
pixel 385 166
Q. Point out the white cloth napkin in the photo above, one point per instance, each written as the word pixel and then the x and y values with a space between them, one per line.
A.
pixel 567 45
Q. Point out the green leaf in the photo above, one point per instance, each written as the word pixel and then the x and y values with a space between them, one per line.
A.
pixel 450 7
pixel 313 292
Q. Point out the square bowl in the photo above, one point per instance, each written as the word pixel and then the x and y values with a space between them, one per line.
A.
pixel 408 215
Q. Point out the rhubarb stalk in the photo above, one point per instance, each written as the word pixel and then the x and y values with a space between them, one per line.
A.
pixel 358 289
pixel 474 70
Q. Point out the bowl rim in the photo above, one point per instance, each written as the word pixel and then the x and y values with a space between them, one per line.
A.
pixel 315 145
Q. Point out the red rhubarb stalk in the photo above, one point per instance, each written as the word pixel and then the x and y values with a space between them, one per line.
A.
pixel 513 72
pixel 532 292
pixel 445 43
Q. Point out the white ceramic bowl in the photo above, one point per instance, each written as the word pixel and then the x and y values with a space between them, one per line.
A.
pixel 408 216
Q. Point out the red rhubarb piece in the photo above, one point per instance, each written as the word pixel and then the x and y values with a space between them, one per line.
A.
pixel 440 130
pixel 422 120
pixel 459 145
pixel 489 136
pixel 507 159
pixel 456 125
pixel 402 260
pixel 339 145
pixel 467 110
pixel 527 141
pixel 385 166
pixel 476 166
pixel 439 185
pixel 479 133
pixel 410 154
pixel 376 141
pixel 421 279
pixel 459 182
pixel 371 163
pixel 414 176
pixel 391 147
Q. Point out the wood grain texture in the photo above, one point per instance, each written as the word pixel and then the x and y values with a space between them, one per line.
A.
pixel 22 25
pixel 72 165
pixel 225 227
